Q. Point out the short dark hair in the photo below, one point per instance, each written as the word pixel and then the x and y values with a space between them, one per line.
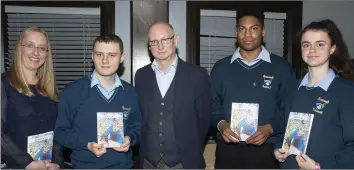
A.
pixel 255 12
pixel 110 38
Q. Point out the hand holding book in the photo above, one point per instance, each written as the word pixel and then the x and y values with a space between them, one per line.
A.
pixel 51 166
pixel 261 135
pixel 227 134
pixel 97 149
pixel 39 164
pixel 305 162
pixel 125 146
pixel 281 154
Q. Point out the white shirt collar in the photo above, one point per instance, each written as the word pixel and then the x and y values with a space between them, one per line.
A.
pixel 173 66
pixel 263 55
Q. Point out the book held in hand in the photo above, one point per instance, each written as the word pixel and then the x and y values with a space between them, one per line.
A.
pixel 244 119
pixel 110 129
pixel 297 133
pixel 40 146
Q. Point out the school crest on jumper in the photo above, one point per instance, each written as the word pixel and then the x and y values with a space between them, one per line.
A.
pixel 320 105
pixel 126 112
pixel 267 82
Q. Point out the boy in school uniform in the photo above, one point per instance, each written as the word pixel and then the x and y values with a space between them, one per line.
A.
pixel 250 75
pixel 100 91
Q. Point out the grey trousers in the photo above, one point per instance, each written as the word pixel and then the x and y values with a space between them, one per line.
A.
pixel 161 165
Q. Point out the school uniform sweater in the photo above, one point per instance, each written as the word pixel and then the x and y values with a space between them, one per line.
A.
pixel 77 122
pixel 331 141
pixel 268 84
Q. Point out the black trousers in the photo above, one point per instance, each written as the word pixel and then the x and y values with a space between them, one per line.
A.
pixel 244 156
pixel 161 165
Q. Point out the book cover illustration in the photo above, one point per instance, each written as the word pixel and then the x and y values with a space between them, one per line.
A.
pixel 110 129
pixel 297 132
pixel 40 146
pixel 244 119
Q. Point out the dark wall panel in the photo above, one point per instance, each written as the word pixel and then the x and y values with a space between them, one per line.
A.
pixel 144 13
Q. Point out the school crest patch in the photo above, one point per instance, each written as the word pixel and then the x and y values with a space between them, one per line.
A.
pixel 126 112
pixel 320 105
pixel 267 81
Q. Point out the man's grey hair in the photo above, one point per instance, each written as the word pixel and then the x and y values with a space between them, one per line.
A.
pixel 162 22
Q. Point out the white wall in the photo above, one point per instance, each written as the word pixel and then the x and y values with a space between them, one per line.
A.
pixel 341 12
pixel 177 18
pixel 122 29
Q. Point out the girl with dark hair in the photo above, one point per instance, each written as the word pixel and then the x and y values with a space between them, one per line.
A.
pixel 327 92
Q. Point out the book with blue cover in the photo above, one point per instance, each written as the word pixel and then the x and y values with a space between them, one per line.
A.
pixel 297 133
pixel 244 119
pixel 40 146
pixel 110 129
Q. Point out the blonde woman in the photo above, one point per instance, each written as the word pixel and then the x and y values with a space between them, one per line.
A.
pixel 29 105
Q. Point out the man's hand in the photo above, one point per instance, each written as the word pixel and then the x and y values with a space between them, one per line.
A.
pixel 227 134
pixel 36 165
pixel 281 155
pixel 305 162
pixel 261 135
pixel 97 149
pixel 125 146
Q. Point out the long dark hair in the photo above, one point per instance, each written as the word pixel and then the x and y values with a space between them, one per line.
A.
pixel 339 61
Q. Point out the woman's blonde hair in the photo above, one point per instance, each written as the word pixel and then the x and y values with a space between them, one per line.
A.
pixel 46 81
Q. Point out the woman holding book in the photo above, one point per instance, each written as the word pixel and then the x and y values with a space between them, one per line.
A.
pixel 29 104
pixel 326 92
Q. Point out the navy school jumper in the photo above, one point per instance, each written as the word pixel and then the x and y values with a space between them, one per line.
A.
pixel 77 122
pixel 268 84
pixel 331 141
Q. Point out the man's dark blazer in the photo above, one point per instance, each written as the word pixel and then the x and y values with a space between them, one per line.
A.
pixel 191 111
